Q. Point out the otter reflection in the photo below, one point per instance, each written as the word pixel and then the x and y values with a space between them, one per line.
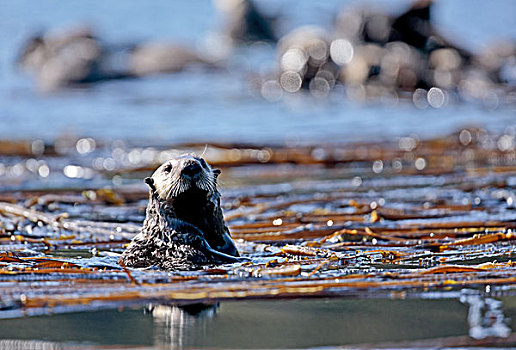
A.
pixel 176 325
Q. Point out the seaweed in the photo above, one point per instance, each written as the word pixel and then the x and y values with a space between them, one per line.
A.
pixel 330 220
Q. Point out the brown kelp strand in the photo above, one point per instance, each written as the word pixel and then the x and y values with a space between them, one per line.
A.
pixel 331 220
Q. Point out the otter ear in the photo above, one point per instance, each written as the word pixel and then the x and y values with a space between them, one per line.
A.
pixel 150 182
pixel 216 172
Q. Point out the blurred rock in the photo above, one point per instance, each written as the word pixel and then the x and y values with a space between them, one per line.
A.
pixel 244 22
pixel 68 57
pixel 305 60
pixel 152 58
pixel 76 57
pixel 377 55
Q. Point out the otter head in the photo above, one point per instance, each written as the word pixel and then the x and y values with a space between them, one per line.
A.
pixel 183 174
pixel 186 188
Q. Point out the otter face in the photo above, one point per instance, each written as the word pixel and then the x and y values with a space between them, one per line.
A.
pixel 180 174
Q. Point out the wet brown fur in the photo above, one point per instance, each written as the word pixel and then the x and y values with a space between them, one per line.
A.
pixel 183 229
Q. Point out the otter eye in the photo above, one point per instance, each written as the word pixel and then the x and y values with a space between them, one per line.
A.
pixel 203 163
pixel 167 168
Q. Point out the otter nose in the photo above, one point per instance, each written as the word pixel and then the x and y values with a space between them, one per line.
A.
pixel 191 170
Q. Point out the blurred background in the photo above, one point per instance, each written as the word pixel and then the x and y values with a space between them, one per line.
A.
pixel 261 72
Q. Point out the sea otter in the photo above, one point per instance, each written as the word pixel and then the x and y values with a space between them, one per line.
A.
pixel 184 227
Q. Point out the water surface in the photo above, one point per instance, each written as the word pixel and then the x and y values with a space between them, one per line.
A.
pixel 221 105
pixel 262 324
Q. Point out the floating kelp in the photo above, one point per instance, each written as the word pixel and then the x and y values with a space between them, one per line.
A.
pixel 332 220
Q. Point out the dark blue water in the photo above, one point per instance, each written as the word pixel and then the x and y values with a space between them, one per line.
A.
pixel 219 105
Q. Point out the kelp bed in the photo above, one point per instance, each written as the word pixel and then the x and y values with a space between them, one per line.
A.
pixel 339 219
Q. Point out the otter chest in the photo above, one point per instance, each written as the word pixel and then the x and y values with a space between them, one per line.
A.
pixel 188 208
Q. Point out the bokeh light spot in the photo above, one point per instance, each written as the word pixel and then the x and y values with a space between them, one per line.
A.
pixel 341 51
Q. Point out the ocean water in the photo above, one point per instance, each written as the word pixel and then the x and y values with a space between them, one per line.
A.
pixel 298 323
pixel 220 105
